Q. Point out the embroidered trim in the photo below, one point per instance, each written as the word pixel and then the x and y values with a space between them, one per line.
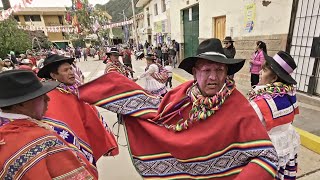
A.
pixel 223 163
pixel 271 91
pixel 69 89
pixel 80 173
pixel 26 157
pixel 74 141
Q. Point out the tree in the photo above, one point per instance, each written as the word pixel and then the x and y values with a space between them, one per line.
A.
pixel 12 38
pixel 41 37
pixel 6 4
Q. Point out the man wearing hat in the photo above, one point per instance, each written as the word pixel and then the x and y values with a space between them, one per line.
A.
pixel 29 148
pixel 229 49
pixel 77 122
pixel 126 58
pixel 202 129
pixel 274 99
pixel 114 65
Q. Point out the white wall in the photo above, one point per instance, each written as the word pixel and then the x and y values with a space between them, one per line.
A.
pixel 175 17
pixel 273 19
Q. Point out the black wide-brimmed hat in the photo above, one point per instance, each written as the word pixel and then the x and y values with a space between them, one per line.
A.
pixel 228 39
pixel 44 72
pixel 21 85
pixel 211 49
pixel 151 57
pixel 113 51
pixel 282 65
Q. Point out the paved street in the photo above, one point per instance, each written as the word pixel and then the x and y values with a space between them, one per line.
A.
pixel 121 168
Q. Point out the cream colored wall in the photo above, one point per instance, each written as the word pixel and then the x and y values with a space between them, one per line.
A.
pixel 161 15
pixel 273 19
pixel 175 17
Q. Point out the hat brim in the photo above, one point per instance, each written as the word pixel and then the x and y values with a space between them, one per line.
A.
pixel 278 70
pixel 227 41
pixel 114 53
pixel 47 87
pixel 44 71
pixel 234 65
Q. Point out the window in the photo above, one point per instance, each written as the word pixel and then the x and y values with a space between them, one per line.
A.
pixel 164 8
pixel 156 9
pixel 32 18
pixel 60 20
pixel 17 18
pixel 148 19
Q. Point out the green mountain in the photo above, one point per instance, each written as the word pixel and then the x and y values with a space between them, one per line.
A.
pixel 115 9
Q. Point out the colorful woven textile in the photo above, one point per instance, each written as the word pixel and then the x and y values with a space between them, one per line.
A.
pixel 80 125
pixel 277 103
pixel 33 152
pixel 230 144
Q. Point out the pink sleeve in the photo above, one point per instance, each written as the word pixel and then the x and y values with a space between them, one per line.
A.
pixel 259 60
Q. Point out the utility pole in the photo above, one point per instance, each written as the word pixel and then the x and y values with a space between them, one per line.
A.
pixel 134 24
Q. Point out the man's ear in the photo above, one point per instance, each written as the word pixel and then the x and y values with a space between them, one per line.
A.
pixel 194 72
pixel 53 76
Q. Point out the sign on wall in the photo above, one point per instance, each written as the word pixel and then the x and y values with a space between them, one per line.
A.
pixel 160 26
pixel 250 16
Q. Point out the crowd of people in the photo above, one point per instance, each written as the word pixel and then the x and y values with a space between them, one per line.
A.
pixel 49 122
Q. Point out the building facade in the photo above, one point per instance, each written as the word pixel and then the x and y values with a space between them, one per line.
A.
pixel 282 24
pixel 44 17
pixel 156 21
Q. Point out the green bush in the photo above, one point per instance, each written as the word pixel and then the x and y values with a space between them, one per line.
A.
pixel 12 38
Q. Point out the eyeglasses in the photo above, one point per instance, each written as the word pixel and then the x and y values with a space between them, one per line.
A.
pixel 225 43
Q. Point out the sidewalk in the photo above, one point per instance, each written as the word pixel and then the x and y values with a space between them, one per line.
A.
pixel 307 122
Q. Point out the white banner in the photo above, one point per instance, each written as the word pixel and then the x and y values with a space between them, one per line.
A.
pixel 5 14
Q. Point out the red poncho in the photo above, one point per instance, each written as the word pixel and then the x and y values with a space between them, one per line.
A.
pixel 231 144
pixel 80 125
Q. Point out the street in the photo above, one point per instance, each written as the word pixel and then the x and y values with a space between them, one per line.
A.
pixel 121 168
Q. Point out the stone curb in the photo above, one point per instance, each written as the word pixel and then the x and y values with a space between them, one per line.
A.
pixel 308 140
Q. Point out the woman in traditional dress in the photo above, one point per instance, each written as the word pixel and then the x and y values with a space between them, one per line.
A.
pixel 274 100
pixel 151 84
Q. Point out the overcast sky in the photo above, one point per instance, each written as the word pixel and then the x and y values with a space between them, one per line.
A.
pixel 54 3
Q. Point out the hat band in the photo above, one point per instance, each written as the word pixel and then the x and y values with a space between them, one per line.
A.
pixel 283 64
pixel 213 54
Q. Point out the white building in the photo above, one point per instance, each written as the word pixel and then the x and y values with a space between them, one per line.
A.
pixel 156 21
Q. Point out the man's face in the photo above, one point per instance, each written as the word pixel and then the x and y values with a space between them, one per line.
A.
pixel 36 108
pixel 227 44
pixel 210 76
pixel 114 57
pixel 65 74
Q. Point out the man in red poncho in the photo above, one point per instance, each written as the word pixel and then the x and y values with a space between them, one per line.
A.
pixel 202 129
pixel 29 148
pixel 75 121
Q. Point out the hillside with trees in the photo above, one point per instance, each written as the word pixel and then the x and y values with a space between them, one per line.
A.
pixel 116 7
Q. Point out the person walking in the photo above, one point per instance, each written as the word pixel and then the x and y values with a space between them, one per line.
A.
pixel 126 59
pixel 256 62
pixel 78 53
pixel 169 69
pixel 85 54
